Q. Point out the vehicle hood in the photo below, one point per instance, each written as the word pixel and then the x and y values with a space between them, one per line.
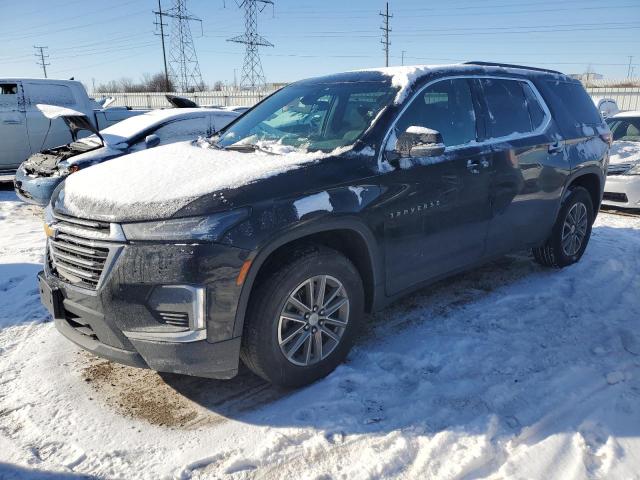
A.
pixel 157 183
pixel 75 121
pixel 624 153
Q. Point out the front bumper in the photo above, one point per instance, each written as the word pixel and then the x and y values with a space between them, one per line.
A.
pixel 622 191
pixel 101 320
pixel 33 189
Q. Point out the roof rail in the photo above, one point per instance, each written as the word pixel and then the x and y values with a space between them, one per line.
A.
pixel 508 65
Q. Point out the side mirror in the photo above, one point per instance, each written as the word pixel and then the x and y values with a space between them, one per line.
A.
pixel 152 140
pixel 420 142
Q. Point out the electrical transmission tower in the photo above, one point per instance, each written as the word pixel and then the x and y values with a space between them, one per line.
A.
pixel 41 59
pixel 184 70
pixel 385 35
pixel 252 73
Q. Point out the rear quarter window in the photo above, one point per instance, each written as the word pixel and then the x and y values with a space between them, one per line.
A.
pixel 572 108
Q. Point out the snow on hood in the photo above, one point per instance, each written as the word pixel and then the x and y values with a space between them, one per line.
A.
pixel 623 151
pixel 156 183
pixel 404 77
pixel 53 111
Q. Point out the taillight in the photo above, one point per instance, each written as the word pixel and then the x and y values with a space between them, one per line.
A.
pixel 607 138
pixel 74 168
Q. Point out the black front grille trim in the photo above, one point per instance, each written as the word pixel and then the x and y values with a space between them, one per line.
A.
pixel 615 197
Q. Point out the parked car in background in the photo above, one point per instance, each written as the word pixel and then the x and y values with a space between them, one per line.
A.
pixel 41 173
pixel 332 197
pixel 607 107
pixel 623 177
pixel 24 130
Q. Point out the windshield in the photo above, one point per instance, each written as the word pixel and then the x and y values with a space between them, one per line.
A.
pixel 627 129
pixel 322 116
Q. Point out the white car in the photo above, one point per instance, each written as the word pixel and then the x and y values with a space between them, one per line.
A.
pixel 622 188
pixel 24 130
pixel 41 173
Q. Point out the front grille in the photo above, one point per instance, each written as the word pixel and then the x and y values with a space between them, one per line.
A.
pixel 76 253
pixel 615 197
pixel 177 319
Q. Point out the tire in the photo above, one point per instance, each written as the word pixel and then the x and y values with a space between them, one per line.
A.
pixel 553 253
pixel 268 322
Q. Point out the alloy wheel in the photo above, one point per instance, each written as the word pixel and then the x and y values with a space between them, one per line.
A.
pixel 574 229
pixel 313 320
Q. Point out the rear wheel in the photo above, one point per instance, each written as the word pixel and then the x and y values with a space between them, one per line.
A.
pixel 571 232
pixel 303 317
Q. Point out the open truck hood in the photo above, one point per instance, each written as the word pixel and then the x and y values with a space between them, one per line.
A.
pixel 75 121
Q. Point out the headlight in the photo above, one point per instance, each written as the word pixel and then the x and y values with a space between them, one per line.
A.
pixel 66 169
pixel 207 228
pixel 634 170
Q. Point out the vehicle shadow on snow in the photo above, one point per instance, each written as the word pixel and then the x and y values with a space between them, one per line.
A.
pixel 19 295
pixel 247 392
pixel 14 472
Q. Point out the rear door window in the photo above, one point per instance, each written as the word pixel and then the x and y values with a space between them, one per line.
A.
pixel 50 94
pixel 184 129
pixel 509 108
pixel 445 106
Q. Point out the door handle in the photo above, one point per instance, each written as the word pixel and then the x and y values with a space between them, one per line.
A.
pixel 556 147
pixel 12 122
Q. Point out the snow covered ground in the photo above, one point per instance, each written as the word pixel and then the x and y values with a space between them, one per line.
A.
pixel 509 371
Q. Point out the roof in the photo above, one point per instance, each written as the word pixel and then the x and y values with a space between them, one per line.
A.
pixel 38 80
pixel 405 77
pixel 628 114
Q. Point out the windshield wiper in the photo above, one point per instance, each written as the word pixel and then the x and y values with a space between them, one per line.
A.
pixel 249 148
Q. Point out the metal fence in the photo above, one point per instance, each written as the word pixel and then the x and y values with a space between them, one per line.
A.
pixel 627 98
pixel 223 98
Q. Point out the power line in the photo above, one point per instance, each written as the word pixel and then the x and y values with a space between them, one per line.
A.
pixel 164 52
pixel 42 58
pixel 252 73
pixel 385 38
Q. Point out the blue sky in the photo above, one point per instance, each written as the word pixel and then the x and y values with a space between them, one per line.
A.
pixel 104 40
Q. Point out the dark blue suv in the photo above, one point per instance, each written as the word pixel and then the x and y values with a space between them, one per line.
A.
pixel 331 198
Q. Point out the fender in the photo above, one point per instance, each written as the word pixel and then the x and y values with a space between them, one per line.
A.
pixel 351 223
pixel 580 171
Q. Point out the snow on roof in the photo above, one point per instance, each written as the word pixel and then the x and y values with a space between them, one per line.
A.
pixel 53 111
pixel 630 113
pixel 404 77
pixel 156 183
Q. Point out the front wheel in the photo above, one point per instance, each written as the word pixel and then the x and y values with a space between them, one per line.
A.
pixel 303 317
pixel 571 232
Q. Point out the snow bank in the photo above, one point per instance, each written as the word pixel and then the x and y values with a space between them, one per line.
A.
pixel 155 183
pixel 53 111
pixel 509 371
pixel 623 151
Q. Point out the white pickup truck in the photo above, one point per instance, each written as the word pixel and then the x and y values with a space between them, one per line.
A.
pixel 24 130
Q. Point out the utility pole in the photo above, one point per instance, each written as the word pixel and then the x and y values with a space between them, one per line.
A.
pixel 252 73
pixel 385 39
pixel 629 69
pixel 403 52
pixel 164 53
pixel 42 58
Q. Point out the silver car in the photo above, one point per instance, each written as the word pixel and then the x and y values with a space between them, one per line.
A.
pixel 42 172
